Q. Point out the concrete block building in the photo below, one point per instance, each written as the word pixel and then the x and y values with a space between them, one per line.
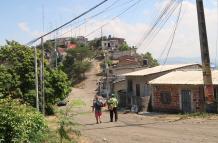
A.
pixel 139 91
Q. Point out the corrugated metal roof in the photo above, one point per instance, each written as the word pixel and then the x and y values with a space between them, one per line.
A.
pixel 157 69
pixel 184 77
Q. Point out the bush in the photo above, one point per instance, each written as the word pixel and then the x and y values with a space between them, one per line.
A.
pixel 20 123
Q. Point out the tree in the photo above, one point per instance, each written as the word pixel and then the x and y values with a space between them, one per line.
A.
pixel 124 47
pixel 96 43
pixel 151 61
pixel 18 62
pixel 57 86
pixel 17 76
pixel 20 123
pixel 9 84
pixel 76 63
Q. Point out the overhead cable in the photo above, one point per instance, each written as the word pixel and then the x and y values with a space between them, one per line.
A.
pixel 95 15
pixel 84 13
pixel 174 32
pixel 157 21
pixel 134 4
pixel 160 26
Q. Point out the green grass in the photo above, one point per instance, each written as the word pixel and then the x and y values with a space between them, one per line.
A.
pixel 196 115
pixel 77 103
pixel 70 129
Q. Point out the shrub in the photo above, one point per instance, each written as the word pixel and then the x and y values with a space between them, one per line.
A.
pixel 20 123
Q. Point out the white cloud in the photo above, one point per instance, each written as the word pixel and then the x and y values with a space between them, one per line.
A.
pixel 186 43
pixel 23 26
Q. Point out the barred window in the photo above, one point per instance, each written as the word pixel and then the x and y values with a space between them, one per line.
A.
pixel 165 97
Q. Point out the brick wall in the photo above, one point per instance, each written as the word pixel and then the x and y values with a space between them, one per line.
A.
pixel 157 105
pixel 174 106
pixel 198 99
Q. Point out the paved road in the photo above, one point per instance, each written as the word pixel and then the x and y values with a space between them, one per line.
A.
pixel 132 128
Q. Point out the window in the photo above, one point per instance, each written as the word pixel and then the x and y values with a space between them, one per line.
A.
pixel 137 89
pixel 129 86
pixel 165 97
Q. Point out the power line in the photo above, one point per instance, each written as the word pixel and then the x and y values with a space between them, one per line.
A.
pixel 113 18
pixel 161 25
pixel 95 15
pixel 163 12
pixel 165 48
pixel 174 32
pixel 84 13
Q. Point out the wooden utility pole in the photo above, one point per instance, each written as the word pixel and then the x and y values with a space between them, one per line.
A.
pixel 36 78
pixel 107 75
pixel 42 77
pixel 205 57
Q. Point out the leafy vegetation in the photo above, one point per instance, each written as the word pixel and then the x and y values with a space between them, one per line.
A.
pixel 124 47
pixel 77 103
pixel 17 76
pixel 63 128
pixel 152 62
pixel 57 86
pixel 20 123
pixel 77 62
pixel 96 43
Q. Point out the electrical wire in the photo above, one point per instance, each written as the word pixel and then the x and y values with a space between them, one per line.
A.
pixel 134 4
pixel 174 32
pixel 67 23
pixel 162 14
pixel 165 47
pixel 93 16
pixel 160 25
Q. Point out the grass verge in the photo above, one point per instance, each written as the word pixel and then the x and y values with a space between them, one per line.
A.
pixel 62 127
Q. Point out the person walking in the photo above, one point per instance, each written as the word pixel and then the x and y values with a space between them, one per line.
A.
pixel 112 105
pixel 97 105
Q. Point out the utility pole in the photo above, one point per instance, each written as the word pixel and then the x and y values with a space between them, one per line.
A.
pixel 205 57
pixel 36 78
pixel 42 77
pixel 56 52
pixel 107 74
pixel 101 34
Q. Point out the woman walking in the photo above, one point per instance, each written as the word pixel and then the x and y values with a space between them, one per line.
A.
pixel 97 105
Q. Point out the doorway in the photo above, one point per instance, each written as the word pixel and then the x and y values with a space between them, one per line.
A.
pixel 186 101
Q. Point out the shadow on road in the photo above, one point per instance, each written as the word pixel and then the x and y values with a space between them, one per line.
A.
pixel 122 126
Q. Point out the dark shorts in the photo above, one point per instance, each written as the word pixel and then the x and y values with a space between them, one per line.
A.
pixel 97 114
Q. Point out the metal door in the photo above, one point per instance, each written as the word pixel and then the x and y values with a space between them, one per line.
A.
pixel 186 101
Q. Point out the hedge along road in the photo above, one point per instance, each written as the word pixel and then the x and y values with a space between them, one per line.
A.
pixel 132 128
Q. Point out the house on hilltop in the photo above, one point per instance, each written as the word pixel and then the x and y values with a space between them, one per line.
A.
pixel 112 43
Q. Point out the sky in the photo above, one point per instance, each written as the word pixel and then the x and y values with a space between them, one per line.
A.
pixel 22 21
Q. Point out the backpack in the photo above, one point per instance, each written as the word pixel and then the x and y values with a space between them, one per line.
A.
pixel 99 104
